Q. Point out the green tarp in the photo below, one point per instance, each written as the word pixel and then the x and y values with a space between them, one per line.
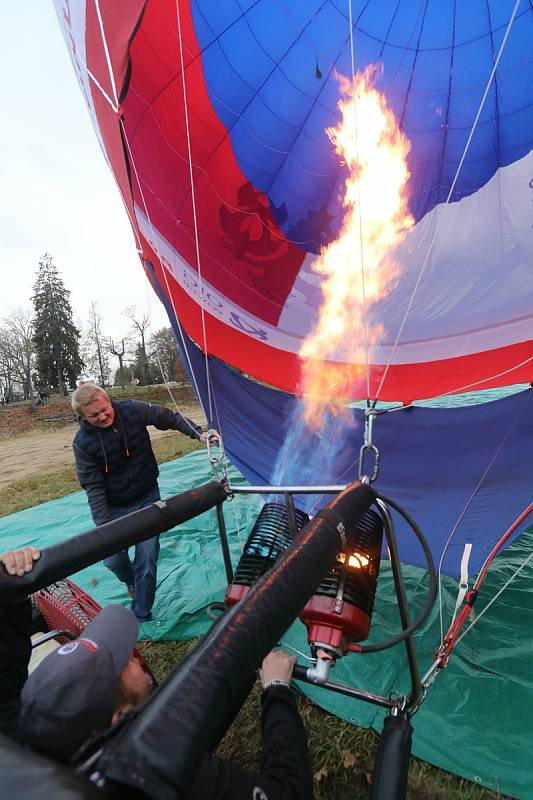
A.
pixel 476 720
pixel 190 570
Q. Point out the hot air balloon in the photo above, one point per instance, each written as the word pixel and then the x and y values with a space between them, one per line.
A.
pixel 218 122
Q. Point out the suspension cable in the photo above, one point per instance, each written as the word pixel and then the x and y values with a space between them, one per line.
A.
pixel 106 51
pixel 116 108
pixel 452 636
pixel 159 258
pixel 507 433
pixel 359 206
pixel 447 201
pixel 193 200
pixel 461 389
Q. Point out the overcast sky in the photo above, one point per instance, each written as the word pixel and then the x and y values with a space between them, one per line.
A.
pixel 57 193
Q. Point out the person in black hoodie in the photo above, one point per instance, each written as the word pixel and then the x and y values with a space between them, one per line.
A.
pixel 116 466
pixel 81 689
pixel 15 642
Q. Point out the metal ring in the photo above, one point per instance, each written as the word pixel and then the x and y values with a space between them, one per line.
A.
pixel 363 476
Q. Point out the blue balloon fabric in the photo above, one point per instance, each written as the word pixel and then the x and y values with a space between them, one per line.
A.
pixel 271 73
pixel 464 474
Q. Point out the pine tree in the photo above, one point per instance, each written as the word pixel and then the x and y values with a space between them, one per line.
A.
pixel 55 336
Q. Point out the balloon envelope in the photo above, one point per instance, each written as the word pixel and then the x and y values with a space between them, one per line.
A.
pixel 213 119
pixel 214 122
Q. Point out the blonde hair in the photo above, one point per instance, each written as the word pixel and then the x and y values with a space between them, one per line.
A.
pixel 85 394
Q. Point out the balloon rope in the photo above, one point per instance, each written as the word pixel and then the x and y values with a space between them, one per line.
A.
pixel 359 207
pixel 210 392
pixel 163 268
pixel 497 547
pixel 193 200
pixel 227 463
pixel 498 593
pixel 106 51
pixel 115 107
pixel 99 86
pixel 154 238
pixel 487 378
pixel 507 433
pixel 460 389
pixel 134 223
pixel 160 365
pixel 450 192
pixel 452 637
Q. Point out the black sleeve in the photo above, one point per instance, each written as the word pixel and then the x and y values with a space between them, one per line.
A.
pixel 285 756
pixel 285 772
pixel 92 480
pixel 165 419
pixel 15 652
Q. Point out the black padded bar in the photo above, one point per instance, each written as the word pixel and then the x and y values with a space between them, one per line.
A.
pixel 160 751
pixel 392 761
pixel 24 774
pixel 84 549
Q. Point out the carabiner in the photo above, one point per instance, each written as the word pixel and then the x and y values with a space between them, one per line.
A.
pixel 217 460
pixel 363 476
pixel 369 447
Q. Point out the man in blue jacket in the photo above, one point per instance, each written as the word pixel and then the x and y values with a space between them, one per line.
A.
pixel 117 468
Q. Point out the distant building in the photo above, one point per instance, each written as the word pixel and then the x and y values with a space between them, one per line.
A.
pixel 11 394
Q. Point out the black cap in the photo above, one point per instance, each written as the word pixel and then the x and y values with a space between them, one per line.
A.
pixel 72 694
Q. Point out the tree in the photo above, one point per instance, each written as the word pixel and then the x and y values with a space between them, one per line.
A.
pixel 140 366
pixel 95 350
pixel 163 356
pixel 17 352
pixel 6 368
pixel 113 348
pixel 55 337
pixel 140 326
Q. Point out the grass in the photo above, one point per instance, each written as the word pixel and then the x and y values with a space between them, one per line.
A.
pixel 342 755
pixel 174 446
pixel 40 487
pixel 183 393
pixel 36 489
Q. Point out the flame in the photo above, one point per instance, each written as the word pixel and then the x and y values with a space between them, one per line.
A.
pixel 375 220
pixel 356 560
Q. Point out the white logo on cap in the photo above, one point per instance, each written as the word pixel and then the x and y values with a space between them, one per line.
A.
pixel 89 645
pixel 67 648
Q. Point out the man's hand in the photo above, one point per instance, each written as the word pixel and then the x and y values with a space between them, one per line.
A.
pixel 277 666
pixel 18 562
pixel 212 435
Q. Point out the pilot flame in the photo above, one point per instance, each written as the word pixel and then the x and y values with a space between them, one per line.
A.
pixel 358 268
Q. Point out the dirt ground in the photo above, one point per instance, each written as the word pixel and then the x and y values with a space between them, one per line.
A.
pixel 51 450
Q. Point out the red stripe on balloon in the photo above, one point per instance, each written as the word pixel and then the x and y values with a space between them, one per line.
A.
pixel 243 252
